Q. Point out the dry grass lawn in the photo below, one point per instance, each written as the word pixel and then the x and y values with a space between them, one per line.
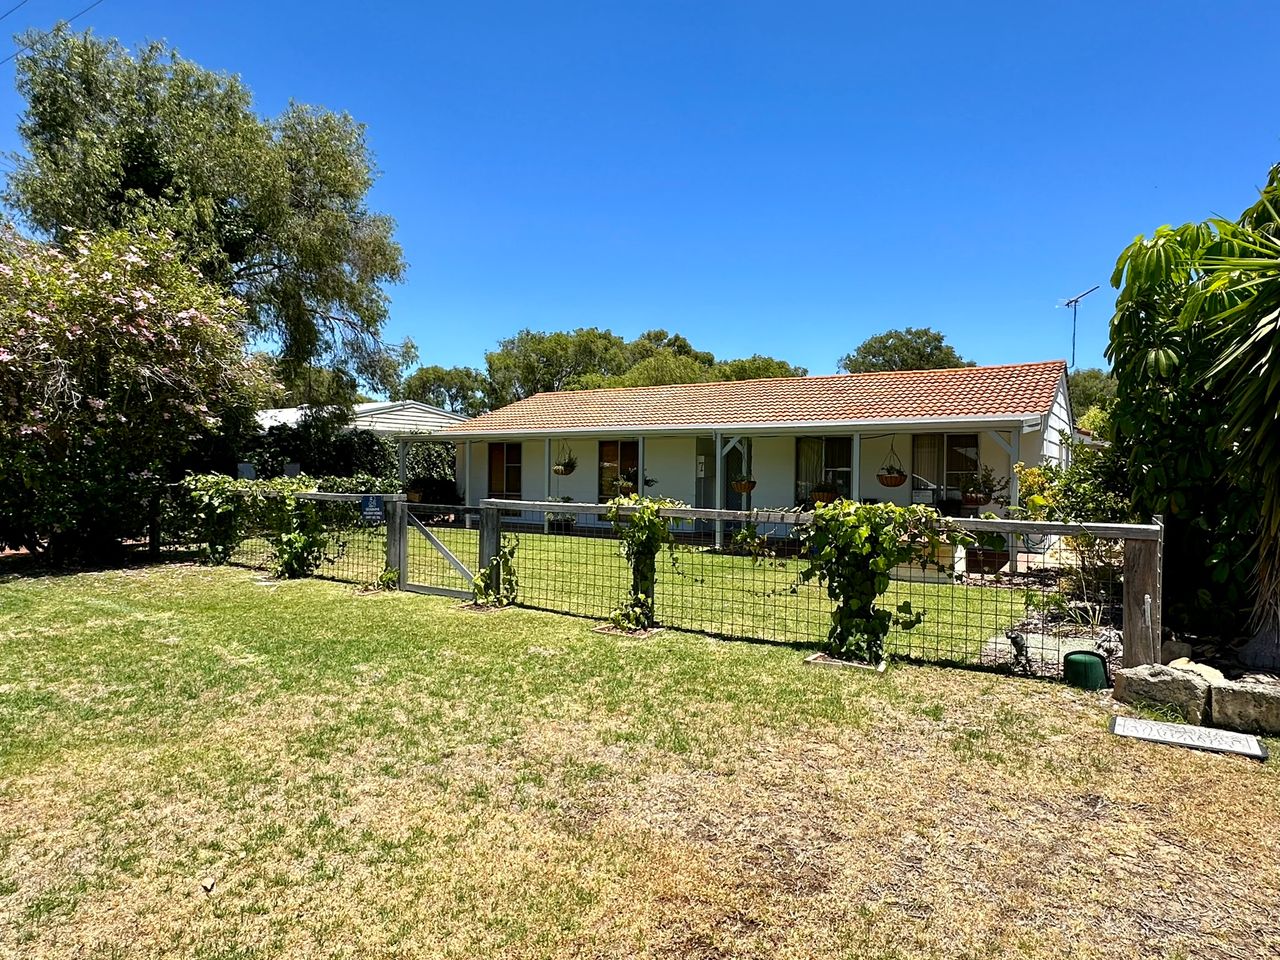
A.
pixel 194 763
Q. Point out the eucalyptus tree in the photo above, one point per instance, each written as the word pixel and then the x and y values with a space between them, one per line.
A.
pixel 271 209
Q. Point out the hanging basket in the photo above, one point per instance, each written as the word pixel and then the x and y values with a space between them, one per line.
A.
pixel 824 496
pixel 891 473
pixel 563 469
pixel 743 486
pixel 975 499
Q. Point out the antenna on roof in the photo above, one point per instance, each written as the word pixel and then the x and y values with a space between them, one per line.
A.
pixel 1074 304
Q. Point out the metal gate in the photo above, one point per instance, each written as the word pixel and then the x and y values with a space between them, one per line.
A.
pixel 433 540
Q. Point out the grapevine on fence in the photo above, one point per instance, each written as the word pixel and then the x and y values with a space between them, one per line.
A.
pixel 498 583
pixel 852 548
pixel 643 532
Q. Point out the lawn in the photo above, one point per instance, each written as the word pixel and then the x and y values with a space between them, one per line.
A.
pixel 196 762
pixel 697 589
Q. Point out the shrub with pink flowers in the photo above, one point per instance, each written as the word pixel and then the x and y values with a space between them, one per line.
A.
pixel 114 358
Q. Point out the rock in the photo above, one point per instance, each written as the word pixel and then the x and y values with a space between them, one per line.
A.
pixel 1203 669
pixel 1248 707
pixel 1184 690
pixel 1175 650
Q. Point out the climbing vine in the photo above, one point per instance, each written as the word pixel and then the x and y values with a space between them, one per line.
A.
pixel 497 584
pixel 852 548
pixel 643 532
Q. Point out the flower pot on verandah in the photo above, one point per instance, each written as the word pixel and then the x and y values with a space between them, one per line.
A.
pixel 743 486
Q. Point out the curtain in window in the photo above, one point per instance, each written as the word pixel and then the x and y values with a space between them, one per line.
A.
pixel 926 461
pixel 808 466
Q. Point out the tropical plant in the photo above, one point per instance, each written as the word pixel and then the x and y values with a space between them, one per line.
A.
pixel 1193 346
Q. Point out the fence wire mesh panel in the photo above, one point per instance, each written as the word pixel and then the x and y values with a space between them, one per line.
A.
pixel 454 529
pixel 750 588
pixel 355 546
pixel 567 561
pixel 1024 598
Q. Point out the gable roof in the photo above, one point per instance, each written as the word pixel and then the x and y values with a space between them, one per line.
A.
pixel 383 417
pixel 1008 392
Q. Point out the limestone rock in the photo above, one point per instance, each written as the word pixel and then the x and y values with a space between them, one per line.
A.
pixel 1184 690
pixel 1209 673
pixel 1248 707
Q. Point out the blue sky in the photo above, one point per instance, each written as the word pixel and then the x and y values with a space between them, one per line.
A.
pixel 761 177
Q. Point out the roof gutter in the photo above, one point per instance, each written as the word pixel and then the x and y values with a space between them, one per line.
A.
pixel 1022 421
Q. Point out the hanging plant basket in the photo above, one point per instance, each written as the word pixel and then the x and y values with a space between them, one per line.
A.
pixel 743 486
pixel 975 499
pixel 891 473
pixel 566 464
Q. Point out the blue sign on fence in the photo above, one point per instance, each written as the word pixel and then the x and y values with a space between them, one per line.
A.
pixel 371 507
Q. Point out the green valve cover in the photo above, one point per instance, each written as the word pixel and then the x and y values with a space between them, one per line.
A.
pixel 1085 669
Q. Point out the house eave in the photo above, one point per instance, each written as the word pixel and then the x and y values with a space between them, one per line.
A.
pixel 1022 421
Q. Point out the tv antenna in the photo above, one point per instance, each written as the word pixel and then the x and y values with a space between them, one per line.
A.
pixel 1074 304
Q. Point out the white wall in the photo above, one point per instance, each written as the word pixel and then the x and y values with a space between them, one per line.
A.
pixel 875 451
pixel 773 466
pixel 671 461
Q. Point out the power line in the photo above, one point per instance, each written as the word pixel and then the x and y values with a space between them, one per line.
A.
pixel 16 6
pixel 69 19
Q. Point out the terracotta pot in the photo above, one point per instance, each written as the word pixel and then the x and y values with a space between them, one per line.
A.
pixel 825 497
pixel 744 486
pixel 891 479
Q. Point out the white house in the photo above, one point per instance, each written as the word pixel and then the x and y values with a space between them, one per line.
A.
pixel 386 418
pixel 790 435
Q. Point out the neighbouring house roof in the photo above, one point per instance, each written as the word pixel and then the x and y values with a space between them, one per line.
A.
pixel 1010 392
pixel 383 417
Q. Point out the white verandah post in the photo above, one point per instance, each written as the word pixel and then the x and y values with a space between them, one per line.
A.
pixel 466 475
pixel 855 481
pixel 716 439
pixel 546 469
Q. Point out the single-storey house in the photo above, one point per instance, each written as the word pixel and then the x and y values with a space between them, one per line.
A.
pixel 386 418
pixel 940 428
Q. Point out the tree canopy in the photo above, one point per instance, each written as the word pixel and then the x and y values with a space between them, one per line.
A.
pixel 533 362
pixel 1089 387
pixel 271 209
pixel 912 348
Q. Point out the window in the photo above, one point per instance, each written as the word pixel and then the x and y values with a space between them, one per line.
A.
pixel 619 462
pixel 504 470
pixel 823 460
pixel 943 462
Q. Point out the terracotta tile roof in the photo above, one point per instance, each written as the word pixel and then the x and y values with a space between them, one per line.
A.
pixel 1021 389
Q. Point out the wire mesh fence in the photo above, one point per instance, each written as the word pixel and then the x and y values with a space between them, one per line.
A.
pixel 1025 598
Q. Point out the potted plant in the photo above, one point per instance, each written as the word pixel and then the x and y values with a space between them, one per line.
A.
pixel 891 473
pixel 978 488
pixel 562 522
pixel 565 465
pixel 824 492
pixel 626 481
pixel 891 476
pixel 743 483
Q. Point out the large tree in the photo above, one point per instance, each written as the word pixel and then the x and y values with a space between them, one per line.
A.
pixel 912 348
pixel 271 209
pixel 1089 388
pixel 457 389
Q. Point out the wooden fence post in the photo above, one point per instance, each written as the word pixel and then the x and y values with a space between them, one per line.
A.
pixel 397 514
pixel 1142 601
pixel 490 534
